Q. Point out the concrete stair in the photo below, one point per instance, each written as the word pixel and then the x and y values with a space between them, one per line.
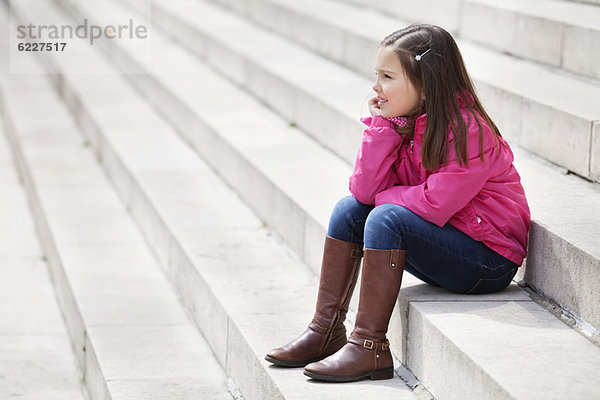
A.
pixel 557 33
pixel 37 359
pixel 243 288
pixel 131 338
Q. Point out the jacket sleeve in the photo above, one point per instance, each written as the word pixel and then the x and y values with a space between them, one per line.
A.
pixel 444 193
pixel 373 168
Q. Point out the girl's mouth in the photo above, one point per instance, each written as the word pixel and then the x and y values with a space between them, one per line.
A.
pixel 381 102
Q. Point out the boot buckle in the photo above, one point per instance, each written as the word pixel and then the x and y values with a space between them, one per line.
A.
pixel 385 346
pixel 368 344
pixel 356 253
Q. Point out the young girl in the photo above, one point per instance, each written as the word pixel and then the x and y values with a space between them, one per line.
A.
pixel 434 192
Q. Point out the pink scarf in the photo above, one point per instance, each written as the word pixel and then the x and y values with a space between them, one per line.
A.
pixel 402 121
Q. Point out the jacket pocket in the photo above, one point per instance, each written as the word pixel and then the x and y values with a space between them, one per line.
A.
pixel 466 221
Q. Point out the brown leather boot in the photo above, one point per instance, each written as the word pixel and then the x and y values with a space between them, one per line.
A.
pixel 326 333
pixel 367 353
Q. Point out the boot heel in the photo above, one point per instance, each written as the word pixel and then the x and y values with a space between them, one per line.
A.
pixel 380 374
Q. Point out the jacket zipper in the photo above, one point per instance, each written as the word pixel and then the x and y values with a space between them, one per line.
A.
pixel 411 145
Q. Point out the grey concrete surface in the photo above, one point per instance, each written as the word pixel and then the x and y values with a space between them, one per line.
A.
pixel 126 321
pixel 36 357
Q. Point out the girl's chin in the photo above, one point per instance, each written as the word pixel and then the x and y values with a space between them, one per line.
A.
pixel 385 113
pixel 388 114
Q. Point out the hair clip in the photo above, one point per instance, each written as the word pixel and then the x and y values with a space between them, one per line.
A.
pixel 419 56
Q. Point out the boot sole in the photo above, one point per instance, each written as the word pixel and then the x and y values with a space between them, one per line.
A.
pixel 291 364
pixel 380 374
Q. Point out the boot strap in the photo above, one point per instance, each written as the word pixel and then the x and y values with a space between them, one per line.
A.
pixel 356 253
pixel 370 344
pixel 316 326
pixel 395 259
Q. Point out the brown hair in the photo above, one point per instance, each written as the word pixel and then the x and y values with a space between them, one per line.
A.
pixel 441 75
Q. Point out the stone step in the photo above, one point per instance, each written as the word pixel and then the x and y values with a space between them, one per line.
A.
pixel 131 337
pixel 563 34
pixel 559 33
pixel 443 13
pixel 37 359
pixel 234 277
pixel 528 111
pixel 563 263
pixel 262 157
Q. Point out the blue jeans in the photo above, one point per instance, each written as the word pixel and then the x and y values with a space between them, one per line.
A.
pixel 443 256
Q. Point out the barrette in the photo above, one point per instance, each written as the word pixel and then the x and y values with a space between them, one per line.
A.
pixel 419 56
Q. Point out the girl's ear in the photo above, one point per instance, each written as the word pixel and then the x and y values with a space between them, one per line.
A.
pixel 423 96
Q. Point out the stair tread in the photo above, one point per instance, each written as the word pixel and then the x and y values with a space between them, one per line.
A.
pixel 37 358
pixel 527 359
pixel 568 12
pixel 579 201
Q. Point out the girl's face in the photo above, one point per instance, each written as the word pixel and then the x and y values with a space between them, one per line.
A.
pixel 396 95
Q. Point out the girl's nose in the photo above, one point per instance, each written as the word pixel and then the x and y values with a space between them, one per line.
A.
pixel 376 86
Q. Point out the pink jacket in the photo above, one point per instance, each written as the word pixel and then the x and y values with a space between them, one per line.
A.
pixel 484 200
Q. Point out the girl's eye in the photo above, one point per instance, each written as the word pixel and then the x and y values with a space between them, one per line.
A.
pixel 386 76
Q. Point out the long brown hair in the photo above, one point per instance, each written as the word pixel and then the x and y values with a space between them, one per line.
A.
pixel 441 75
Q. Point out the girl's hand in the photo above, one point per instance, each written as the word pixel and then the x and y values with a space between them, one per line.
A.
pixel 374 107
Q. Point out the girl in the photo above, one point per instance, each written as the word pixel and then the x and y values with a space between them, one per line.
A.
pixel 434 192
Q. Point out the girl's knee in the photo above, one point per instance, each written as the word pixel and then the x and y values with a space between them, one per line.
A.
pixel 345 205
pixel 349 207
pixel 346 214
pixel 388 216
pixel 385 227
